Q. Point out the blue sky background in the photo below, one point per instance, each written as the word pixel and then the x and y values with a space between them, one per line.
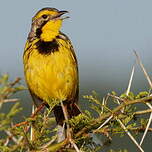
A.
pixel 104 34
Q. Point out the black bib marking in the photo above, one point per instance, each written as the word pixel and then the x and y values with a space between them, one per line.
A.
pixel 47 47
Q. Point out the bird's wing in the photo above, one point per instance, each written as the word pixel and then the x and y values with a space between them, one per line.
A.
pixel 65 37
pixel 37 101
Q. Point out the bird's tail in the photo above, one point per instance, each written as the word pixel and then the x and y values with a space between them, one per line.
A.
pixel 72 110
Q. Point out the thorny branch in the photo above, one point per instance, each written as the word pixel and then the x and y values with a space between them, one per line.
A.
pixel 114 112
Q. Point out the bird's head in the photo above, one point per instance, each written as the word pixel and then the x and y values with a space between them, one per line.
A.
pixel 46 24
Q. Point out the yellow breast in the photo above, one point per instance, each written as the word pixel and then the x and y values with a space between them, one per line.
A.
pixel 52 76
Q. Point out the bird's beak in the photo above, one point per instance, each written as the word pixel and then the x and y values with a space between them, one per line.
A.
pixel 62 12
pixel 59 15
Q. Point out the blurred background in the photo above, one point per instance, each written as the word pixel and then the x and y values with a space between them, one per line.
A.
pixel 104 34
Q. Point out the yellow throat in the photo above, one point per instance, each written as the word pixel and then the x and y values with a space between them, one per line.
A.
pixel 50 30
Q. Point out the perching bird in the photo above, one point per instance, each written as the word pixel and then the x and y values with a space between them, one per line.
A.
pixel 50 64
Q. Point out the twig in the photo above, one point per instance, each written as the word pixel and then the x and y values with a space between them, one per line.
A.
pixel 129 134
pixel 38 110
pixel 116 97
pixel 142 112
pixel 32 116
pixel 21 124
pixel 7 90
pixel 14 82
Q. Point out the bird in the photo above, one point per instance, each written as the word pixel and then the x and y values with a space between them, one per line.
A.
pixel 50 65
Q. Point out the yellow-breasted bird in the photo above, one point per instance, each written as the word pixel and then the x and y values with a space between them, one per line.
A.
pixel 50 64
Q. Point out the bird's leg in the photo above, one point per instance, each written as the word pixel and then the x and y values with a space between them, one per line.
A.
pixel 65 112
pixel 68 132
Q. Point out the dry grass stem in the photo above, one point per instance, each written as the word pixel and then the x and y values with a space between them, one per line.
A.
pixel 49 143
pixel 7 141
pixel 130 81
pixel 10 100
pixel 31 131
pixel 103 103
pixel 74 145
pixel 148 124
pixel 11 136
pixel 106 122
pixel 143 69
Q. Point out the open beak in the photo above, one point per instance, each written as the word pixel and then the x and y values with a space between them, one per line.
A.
pixel 62 12
pixel 59 15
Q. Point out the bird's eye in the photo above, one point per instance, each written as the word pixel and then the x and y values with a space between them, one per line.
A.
pixel 44 16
